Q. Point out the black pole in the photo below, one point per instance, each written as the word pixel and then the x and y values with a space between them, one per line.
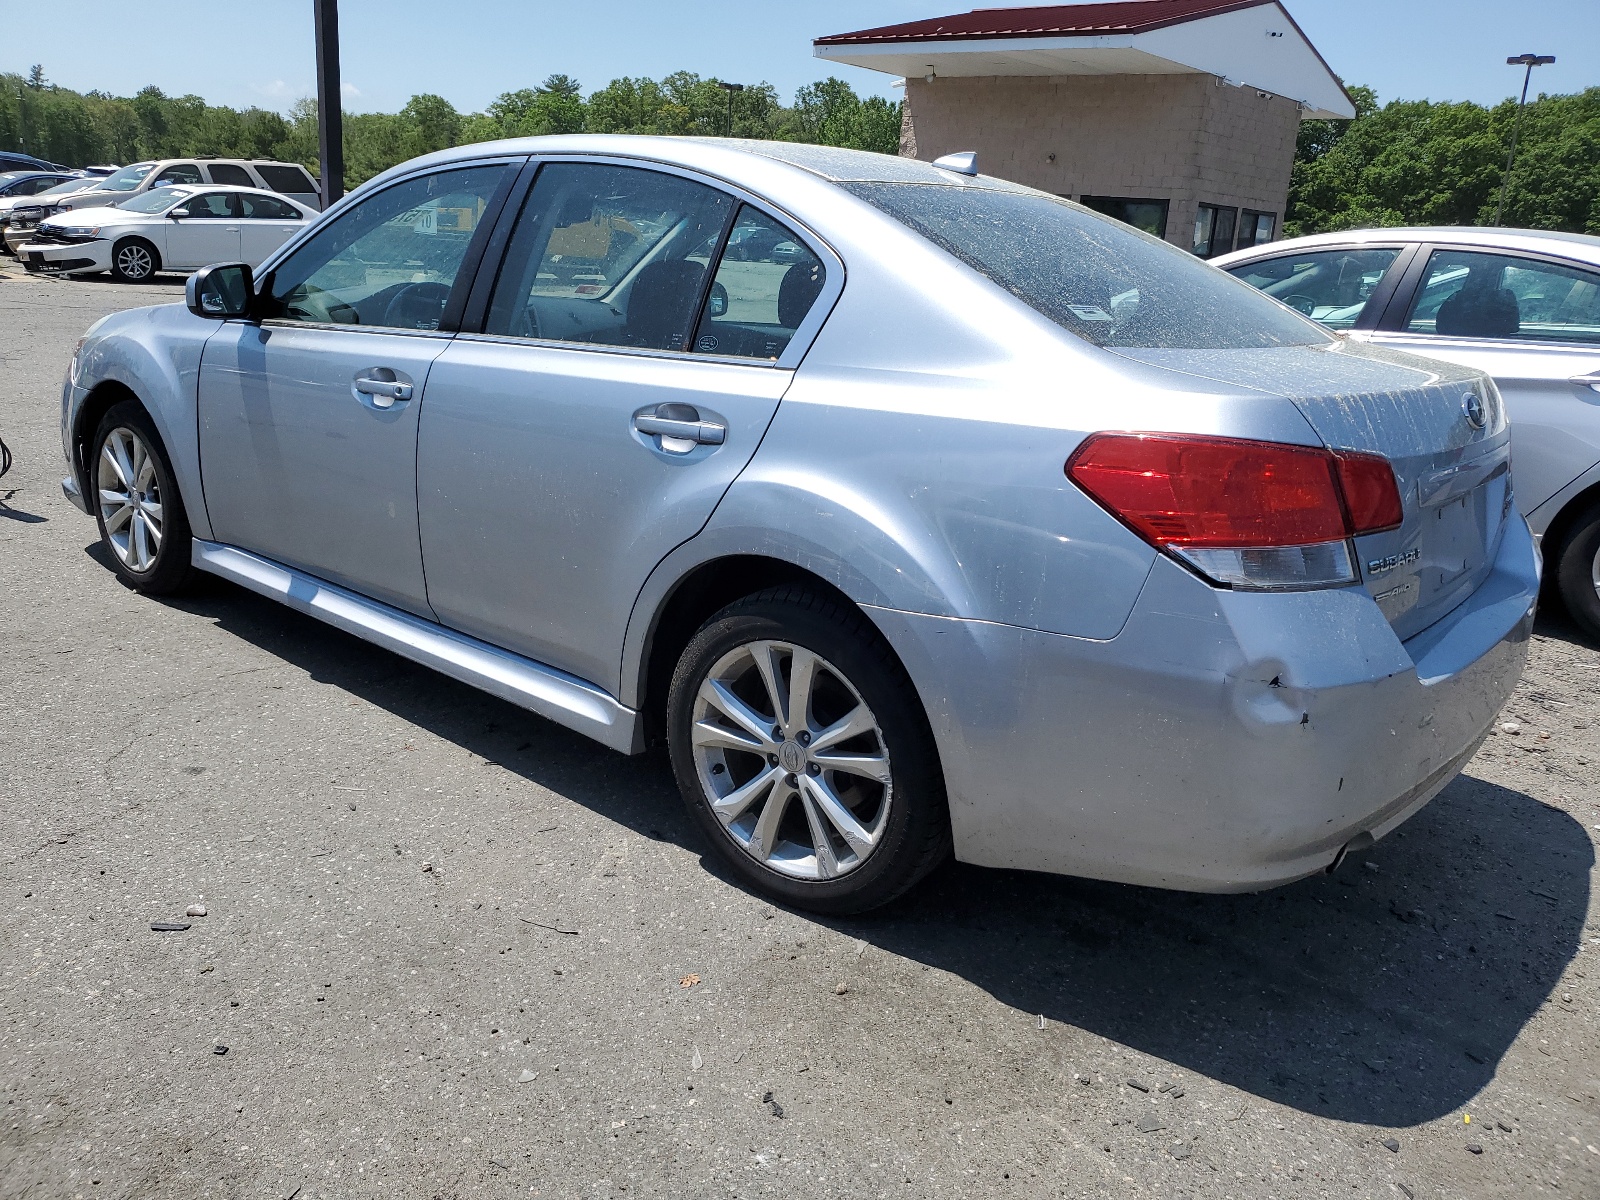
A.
pixel 1530 61
pixel 330 111
pixel 730 88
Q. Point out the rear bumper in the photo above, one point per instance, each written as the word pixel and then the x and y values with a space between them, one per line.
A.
pixel 1223 741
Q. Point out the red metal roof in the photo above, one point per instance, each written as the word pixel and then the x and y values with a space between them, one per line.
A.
pixel 1056 20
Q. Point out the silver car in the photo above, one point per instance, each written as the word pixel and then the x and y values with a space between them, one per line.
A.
pixel 943 515
pixel 1520 304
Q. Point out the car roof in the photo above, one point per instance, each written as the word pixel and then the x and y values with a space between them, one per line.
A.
pixel 195 189
pixel 1582 246
pixel 730 157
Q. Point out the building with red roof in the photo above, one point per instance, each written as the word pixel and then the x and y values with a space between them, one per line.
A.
pixel 1179 116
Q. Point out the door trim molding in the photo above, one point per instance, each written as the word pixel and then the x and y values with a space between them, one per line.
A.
pixel 564 699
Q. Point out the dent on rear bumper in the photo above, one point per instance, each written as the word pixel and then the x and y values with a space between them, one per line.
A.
pixel 1224 741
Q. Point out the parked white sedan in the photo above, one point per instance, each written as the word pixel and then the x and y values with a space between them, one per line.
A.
pixel 168 228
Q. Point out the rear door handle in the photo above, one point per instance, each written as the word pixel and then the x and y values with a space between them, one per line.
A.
pixel 680 427
pixel 1590 380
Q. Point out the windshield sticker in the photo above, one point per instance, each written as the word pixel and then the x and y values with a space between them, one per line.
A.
pixel 1089 312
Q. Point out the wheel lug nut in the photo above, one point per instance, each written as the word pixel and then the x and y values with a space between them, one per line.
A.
pixel 792 780
pixel 813 769
pixel 772 760
pixel 805 738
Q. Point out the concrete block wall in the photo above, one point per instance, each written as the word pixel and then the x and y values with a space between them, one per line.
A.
pixel 1181 138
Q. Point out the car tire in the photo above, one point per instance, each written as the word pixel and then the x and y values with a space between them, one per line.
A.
pixel 144 527
pixel 1578 573
pixel 870 807
pixel 134 260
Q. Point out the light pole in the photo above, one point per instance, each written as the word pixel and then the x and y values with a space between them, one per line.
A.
pixel 330 110
pixel 1530 61
pixel 730 88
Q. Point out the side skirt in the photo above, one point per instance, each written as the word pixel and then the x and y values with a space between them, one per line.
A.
pixel 564 699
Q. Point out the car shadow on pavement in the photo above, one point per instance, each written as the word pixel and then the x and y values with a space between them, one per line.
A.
pixel 1384 994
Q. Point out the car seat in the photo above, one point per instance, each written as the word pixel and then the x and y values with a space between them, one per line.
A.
pixel 1482 308
pixel 661 304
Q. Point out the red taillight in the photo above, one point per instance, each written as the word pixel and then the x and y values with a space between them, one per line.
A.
pixel 1236 509
pixel 1370 492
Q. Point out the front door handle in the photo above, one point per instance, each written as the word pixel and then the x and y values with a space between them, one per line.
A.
pixel 383 392
pixel 680 427
pixel 1590 380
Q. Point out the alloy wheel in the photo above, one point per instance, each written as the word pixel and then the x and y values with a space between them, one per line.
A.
pixel 792 760
pixel 134 261
pixel 130 499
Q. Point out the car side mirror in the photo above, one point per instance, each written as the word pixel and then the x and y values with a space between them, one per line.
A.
pixel 220 292
pixel 176 214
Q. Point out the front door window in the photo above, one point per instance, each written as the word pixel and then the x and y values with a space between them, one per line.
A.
pixel 390 261
pixel 1331 286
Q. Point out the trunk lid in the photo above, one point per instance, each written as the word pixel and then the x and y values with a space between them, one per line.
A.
pixel 1423 416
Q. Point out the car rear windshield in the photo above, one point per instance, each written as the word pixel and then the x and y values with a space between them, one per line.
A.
pixel 1094 276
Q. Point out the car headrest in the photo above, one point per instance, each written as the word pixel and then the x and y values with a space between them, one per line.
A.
pixel 802 284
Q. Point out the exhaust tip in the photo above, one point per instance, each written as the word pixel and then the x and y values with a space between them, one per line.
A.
pixel 1360 842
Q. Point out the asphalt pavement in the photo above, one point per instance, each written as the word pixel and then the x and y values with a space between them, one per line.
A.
pixel 451 950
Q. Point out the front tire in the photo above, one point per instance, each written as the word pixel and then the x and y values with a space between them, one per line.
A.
pixel 143 525
pixel 1578 573
pixel 134 260
pixel 803 753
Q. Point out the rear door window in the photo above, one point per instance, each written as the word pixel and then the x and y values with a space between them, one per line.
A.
pixel 286 179
pixel 766 283
pixel 230 173
pixel 1467 294
pixel 611 256
pixel 1333 287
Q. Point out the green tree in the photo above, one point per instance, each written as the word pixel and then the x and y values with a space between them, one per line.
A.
pixel 1415 162
pixel 556 106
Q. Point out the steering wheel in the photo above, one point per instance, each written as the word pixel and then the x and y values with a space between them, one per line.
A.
pixel 417 306
pixel 1301 303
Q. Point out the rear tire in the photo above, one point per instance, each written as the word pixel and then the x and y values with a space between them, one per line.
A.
pixel 134 260
pixel 142 522
pixel 803 753
pixel 1578 573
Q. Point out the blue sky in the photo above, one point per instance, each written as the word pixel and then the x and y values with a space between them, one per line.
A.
pixel 469 51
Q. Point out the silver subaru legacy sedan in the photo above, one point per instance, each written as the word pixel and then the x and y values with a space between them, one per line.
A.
pixel 912 510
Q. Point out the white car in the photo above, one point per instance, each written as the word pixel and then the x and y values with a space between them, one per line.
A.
pixel 169 228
